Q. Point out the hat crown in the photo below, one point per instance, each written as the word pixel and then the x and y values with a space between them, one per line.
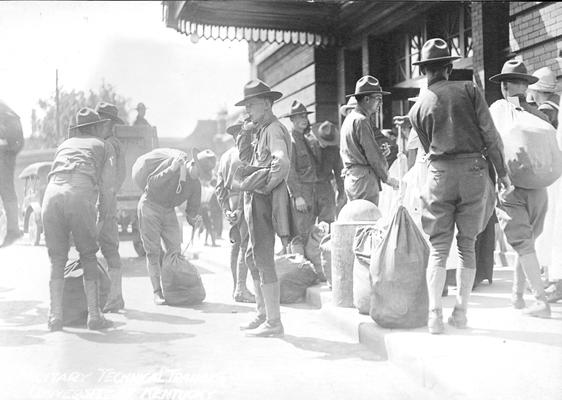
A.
pixel 207 159
pixel 298 108
pixel 255 87
pixel 141 105
pixel 434 48
pixel 107 108
pixel 514 66
pixel 326 130
pixel 366 84
pixel 547 79
pixel 87 116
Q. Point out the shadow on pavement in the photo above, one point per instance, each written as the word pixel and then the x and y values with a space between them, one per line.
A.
pixel 128 336
pixel 16 337
pixel 17 312
pixel 221 308
pixel 160 317
pixel 332 350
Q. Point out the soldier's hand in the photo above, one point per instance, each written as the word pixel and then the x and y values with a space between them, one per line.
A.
pixel 506 188
pixel 393 182
pixel 385 148
pixel 195 221
pixel 300 204
pixel 233 217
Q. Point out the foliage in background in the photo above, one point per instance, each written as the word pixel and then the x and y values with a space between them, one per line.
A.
pixel 43 122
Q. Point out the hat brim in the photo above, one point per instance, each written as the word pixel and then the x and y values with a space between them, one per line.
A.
pixel 514 75
pixel 101 121
pixel 297 113
pixel 367 93
pixel 323 142
pixel 345 108
pixel 436 60
pixel 233 129
pixel 205 174
pixel 113 118
pixel 271 94
pixel 539 87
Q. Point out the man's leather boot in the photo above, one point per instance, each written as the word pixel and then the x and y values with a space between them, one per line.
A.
pixel 56 289
pixel 519 283
pixel 96 320
pixel 272 325
pixel 465 282
pixel 435 321
pixel 531 267
pixel 259 318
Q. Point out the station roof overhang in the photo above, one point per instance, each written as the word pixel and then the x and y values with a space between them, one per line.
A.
pixel 311 22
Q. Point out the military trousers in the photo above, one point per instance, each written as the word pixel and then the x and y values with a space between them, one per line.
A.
pixel 258 209
pixel 157 225
pixel 361 182
pixel 69 207
pixel 458 192
pixel 240 259
pixel 108 240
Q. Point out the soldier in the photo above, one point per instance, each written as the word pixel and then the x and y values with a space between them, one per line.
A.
pixel 232 204
pixel 270 149
pixel 364 164
pixel 458 189
pixel 543 93
pixel 310 188
pixel 525 209
pixel 69 206
pixel 108 237
pixel 141 112
pixel 174 181
pixel 11 142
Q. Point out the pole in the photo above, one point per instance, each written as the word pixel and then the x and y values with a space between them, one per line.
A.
pixel 57 118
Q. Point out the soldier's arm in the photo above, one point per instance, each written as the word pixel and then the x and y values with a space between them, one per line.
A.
pixel 244 144
pixel 337 167
pixel 221 190
pixel 106 183
pixel 193 203
pixel 281 162
pixel 371 150
pixel 490 136
pixel 293 181
pixel 121 168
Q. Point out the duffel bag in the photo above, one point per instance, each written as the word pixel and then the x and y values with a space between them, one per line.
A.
pixel 148 163
pixel 181 282
pixel 366 239
pixel 295 275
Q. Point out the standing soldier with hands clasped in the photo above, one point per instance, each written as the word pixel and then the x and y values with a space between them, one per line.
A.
pixel 456 130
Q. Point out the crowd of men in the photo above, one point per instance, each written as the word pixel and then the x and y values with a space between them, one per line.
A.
pixel 280 183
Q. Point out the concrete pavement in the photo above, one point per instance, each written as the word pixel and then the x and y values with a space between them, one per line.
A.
pixel 177 353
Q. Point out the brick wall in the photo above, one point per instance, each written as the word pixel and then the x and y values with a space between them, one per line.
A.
pixel 535 33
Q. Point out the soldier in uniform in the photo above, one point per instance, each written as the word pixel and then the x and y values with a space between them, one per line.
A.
pixel 543 93
pixel 232 204
pixel 270 150
pixel 524 210
pixel 108 237
pixel 364 164
pixel 310 187
pixel 69 206
pixel 174 181
pixel 454 126
pixel 11 142
pixel 141 112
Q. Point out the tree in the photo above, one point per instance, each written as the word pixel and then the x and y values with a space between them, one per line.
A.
pixel 44 127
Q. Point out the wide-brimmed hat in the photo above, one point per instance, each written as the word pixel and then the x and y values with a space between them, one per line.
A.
pixel 235 127
pixel 351 103
pixel 435 51
pixel 257 88
pixel 367 85
pixel 109 110
pixel 296 108
pixel 140 106
pixel 327 133
pixel 514 69
pixel 205 160
pixel 547 81
pixel 86 117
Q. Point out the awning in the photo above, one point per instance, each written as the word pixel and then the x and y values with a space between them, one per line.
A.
pixel 274 21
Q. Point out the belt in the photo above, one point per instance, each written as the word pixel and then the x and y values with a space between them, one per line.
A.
pixel 433 157
pixel 71 177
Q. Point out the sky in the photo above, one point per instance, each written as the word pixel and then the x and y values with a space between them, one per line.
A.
pixel 126 44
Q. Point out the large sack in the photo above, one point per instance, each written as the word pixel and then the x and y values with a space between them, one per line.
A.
pixel 312 250
pixel 326 258
pixel 181 282
pixel 75 309
pixel 367 238
pixel 531 151
pixel 149 162
pixel 295 275
pixel 399 292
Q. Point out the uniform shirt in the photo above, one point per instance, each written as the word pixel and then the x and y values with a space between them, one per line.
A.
pixel 113 175
pixel 228 164
pixel 90 156
pixel 453 118
pixel 550 109
pixel 120 167
pixel 270 147
pixel 164 188
pixel 330 166
pixel 358 145
pixel 305 157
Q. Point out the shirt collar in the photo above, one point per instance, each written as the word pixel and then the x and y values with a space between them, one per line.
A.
pixel 266 121
pixel 435 80
pixel 361 110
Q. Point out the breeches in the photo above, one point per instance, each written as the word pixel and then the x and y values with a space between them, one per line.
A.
pixel 108 240
pixel 457 192
pixel 361 183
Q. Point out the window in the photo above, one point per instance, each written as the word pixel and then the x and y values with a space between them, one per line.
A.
pixel 407 50
pixel 454 25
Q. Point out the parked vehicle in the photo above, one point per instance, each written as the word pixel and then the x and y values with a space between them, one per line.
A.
pixel 35 176
pixel 135 140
